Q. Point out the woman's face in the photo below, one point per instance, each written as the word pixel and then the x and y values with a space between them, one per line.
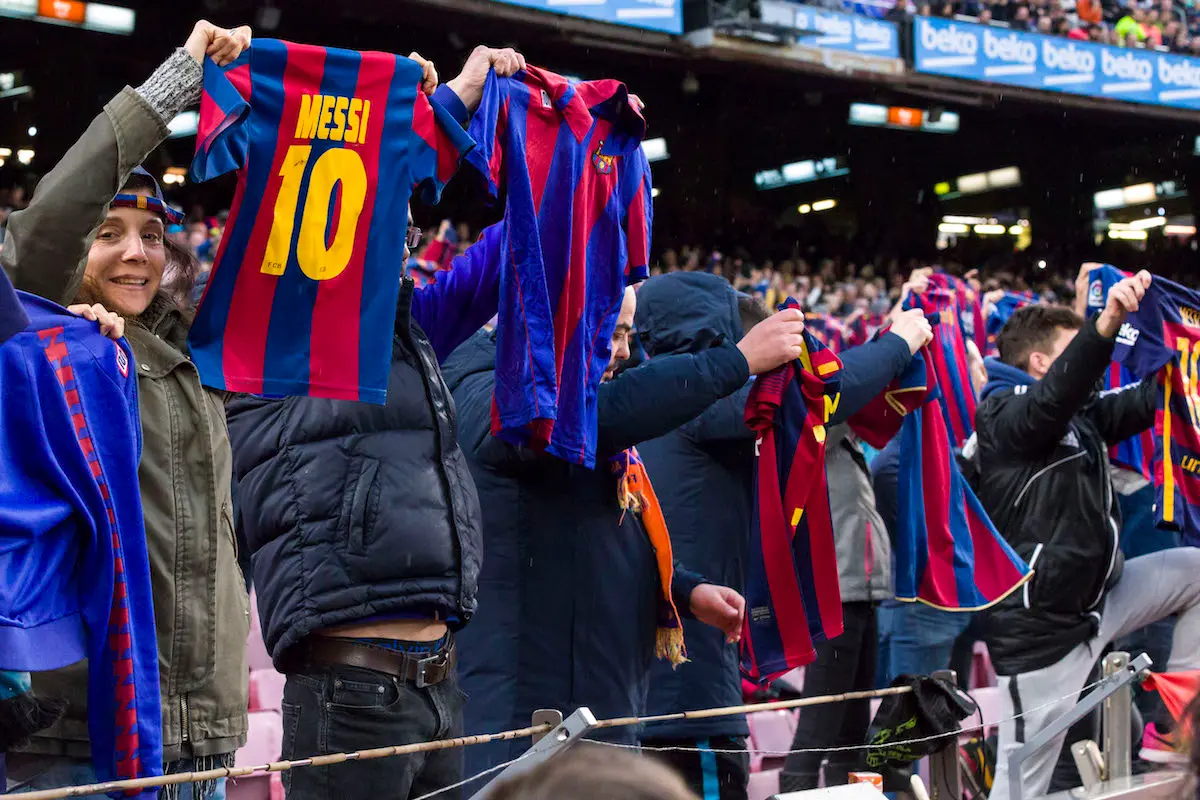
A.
pixel 127 259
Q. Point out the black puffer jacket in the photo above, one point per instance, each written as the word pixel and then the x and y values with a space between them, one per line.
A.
pixel 355 510
pixel 1044 480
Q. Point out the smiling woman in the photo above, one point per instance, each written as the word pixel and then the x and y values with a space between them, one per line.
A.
pixel 126 261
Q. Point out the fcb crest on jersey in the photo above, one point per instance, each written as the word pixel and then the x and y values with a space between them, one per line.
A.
pixel 602 163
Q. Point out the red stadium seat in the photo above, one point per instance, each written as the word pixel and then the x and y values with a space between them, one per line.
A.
pixel 266 689
pixel 763 785
pixel 256 650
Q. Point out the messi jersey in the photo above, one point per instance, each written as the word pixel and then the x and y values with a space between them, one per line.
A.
pixel 792 595
pixel 1137 452
pixel 1162 338
pixel 948 355
pixel 328 144
pixel 576 233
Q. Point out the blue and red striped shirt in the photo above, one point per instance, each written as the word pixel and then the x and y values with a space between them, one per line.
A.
pixel 1137 452
pixel 1162 339
pixel 73 558
pixel 328 145
pixel 576 233
pixel 948 357
pixel 793 599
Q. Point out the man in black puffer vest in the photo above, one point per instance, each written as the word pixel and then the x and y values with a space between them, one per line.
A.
pixel 365 529
pixel 1043 436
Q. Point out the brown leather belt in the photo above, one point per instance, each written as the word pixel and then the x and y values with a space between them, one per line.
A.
pixel 422 670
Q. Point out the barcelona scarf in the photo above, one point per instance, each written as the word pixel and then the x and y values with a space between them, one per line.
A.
pixel 792 593
pixel 948 553
pixel 635 493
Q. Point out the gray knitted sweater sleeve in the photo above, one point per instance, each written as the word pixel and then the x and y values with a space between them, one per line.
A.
pixel 174 86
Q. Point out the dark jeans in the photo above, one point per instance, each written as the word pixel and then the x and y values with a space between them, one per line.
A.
pixel 341 709
pixel 845 664
pixel 709 773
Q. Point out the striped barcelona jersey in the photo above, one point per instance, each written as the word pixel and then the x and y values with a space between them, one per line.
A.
pixel 948 554
pixel 1003 309
pixel 328 145
pixel 577 220
pixel 1163 338
pixel 970 310
pixel 949 356
pixel 793 599
pixel 1137 452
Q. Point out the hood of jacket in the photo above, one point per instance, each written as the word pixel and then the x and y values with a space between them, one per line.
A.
pixel 1004 376
pixel 475 355
pixel 686 312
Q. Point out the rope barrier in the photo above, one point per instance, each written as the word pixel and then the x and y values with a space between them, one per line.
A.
pixel 523 733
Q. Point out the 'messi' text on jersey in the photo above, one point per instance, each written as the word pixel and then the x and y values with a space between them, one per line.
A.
pixel 338 119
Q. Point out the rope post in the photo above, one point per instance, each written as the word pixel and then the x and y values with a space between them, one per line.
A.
pixel 1089 762
pixel 1116 721
pixel 553 743
pixel 1101 692
pixel 550 717
pixel 945 779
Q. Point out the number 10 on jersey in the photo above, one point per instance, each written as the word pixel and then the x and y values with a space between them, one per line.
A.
pixel 319 259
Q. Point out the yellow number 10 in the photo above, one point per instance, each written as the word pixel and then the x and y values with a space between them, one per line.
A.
pixel 1189 356
pixel 317 260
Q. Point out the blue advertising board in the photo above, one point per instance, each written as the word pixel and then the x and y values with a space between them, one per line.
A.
pixel 1033 61
pixel 657 15
pixel 848 32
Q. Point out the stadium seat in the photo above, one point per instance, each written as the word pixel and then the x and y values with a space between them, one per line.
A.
pixel 982 673
pixel 264 741
pixel 266 689
pixel 256 651
pixel 763 784
pixel 990 700
pixel 772 730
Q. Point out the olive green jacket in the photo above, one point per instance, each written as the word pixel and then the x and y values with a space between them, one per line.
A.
pixel 200 605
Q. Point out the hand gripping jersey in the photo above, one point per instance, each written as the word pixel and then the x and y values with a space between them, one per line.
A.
pixel 948 553
pixel 328 145
pixel 792 594
pixel 949 361
pixel 577 232
pixel 73 563
pixel 1163 338
pixel 1137 452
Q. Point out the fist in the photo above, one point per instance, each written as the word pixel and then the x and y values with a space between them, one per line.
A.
pixel 429 76
pixel 111 324
pixel 774 341
pixel 719 607
pixel 1123 299
pixel 913 328
pixel 220 44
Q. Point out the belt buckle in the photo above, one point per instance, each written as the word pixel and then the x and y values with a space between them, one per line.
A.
pixel 423 664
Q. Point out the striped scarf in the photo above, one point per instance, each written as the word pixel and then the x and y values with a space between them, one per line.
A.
pixel 636 494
